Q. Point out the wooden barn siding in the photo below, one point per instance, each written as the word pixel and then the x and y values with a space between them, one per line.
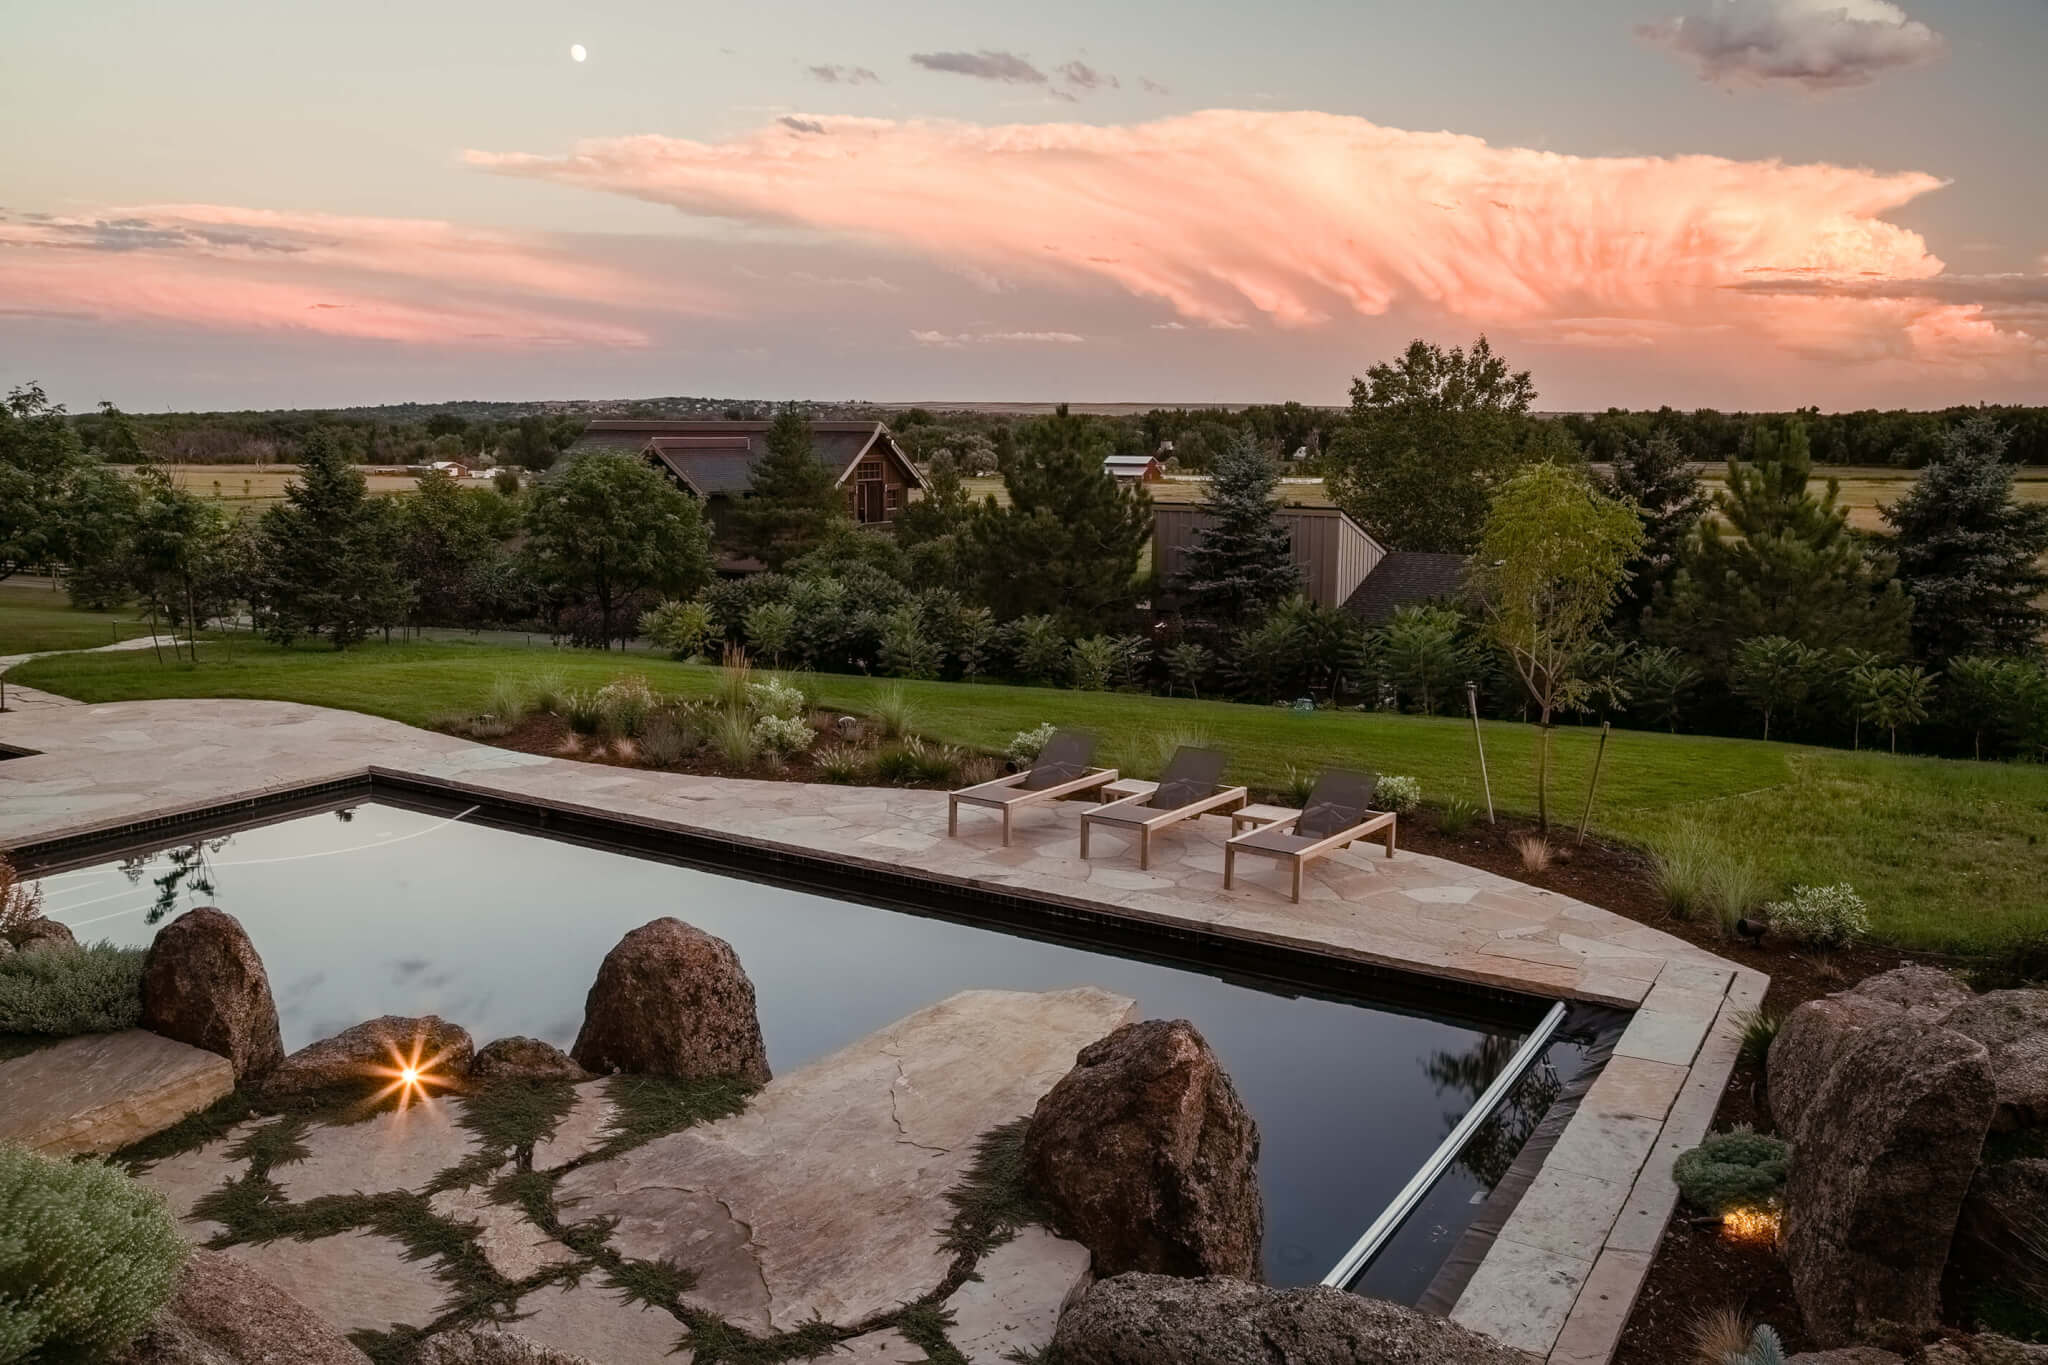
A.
pixel 1332 551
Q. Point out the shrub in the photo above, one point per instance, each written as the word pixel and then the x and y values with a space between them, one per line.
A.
pixel 506 481
pixel 1039 648
pixel 933 762
pixel 1026 745
pixel 1092 663
pixel 908 649
pixel 1764 1348
pixel 1535 851
pixel 1458 814
pixel 1732 1170
pixel 666 741
pixel 546 691
pixel 1399 794
pixel 583 711
pixel 769 628
pixel 57 993
pixel 841 763
pixel 21 901
pixel 623 706
pixel 684 629
pixel 775 697
pixel 1719 1334
pixel 732 736
pixel 88 1258
pixel 1826 916
pixel 783 735
pixel 1188 666
pixel 893 712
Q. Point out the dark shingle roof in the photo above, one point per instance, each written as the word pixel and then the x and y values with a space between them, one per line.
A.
pixel 716 458
pixel 1406 578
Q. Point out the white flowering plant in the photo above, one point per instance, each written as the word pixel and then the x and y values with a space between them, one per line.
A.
pixel 1026 745
pixel 776 698
pixel 1826 916
pixel 1399 794
pixel 784 734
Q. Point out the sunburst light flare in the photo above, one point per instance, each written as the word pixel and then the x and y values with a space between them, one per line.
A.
pixel 410 1077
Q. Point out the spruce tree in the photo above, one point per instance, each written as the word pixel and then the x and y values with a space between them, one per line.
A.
pixel 327 555
pixel 1241 563
pixel 1970 555
pixel 1655 476
pixel 1067 545
pixel 1785 563
pixel 792 499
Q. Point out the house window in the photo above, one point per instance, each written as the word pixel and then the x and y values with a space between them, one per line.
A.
pixel 895 498
pixel 870 471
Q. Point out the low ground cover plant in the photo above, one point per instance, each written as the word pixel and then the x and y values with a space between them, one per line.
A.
pixel 1733 1170
pixel 58 993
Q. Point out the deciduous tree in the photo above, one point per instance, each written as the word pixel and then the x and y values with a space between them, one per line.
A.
pixel 610 526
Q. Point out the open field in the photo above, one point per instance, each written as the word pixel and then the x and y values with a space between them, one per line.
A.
pixel 35 615
pixel 1949 854
pixel 238 484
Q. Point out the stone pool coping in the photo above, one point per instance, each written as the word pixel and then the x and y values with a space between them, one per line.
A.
pixel 1562 1275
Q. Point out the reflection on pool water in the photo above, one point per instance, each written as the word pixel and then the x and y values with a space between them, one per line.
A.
pixel 377 909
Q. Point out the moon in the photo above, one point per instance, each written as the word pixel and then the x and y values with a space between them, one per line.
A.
pixel 577 52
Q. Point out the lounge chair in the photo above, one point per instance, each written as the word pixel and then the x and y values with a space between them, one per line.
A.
pixel 1189 787
pixel 1339 810
pixel 1062 770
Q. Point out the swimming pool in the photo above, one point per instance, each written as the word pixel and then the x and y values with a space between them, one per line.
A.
pixel 382 907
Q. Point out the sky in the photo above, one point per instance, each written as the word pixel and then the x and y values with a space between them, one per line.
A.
pixel 1734 203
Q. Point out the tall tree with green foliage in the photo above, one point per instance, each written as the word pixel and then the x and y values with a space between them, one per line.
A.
pixel 60 504
pixel 1552 559
pixel 1653 475
pixel 1067 544
pixel 932 529
pixel 1774 674
pixel 793 500
pixel 1241 564
pixel 327 555
pixel 1779 560
pixel 173 543
pixel 1969 555
pixel 610 526
pixel 1431 436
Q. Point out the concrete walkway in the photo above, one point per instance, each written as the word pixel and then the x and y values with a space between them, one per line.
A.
pixel 1561 1277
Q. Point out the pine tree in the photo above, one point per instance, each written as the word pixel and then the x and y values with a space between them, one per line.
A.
pixel 327 554
pixel 1655 476
pixel 1242 562
pixel 1785 563
pixel 792 498
pixel 1970 555
pixel 1067 545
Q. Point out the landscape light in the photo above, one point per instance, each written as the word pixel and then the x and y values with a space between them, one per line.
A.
pixel 1751 1225
pixel 410 1077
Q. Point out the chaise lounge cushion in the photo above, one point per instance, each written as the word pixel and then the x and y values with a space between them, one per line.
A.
pixel 1341 799
pixel 1065 757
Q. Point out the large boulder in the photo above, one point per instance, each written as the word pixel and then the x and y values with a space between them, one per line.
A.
pixel 1148 1158
pixel 489 1346
pixel 1165 1320
pixel 2002 1238
pixel 672 1000
pixel 203 984
pixel 42 934
pixel 524 1059
pixel 1815 1034
pixel 2014 1025
pixel 1882 1161
pixel 368 1056
pixel 223 1313
pixel 1848 1355
pixel 1984 1349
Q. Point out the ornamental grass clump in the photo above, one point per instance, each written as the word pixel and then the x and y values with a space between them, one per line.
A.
pixel 87 1257
pixel 666 740
pixel 840 763
pixel 57 993
pixel 1458 814
pixel 583 711
pixel 1733 1170
pixel 894 713
pixel 1402 795
pixel 1825 916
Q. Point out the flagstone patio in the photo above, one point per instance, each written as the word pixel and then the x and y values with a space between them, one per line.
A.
pixel 1564 1271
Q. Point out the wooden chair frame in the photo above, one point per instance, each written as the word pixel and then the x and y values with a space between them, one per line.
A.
pixel 1299 858
pixel 1088 781
pixel 1229 798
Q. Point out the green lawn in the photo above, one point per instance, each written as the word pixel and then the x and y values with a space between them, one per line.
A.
pixel 1949 854
pixel 34 617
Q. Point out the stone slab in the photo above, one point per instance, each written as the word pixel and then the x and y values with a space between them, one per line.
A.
pixel 99 1092
pixel 400 1150
pixel 837 1173
pixel 1014 1305
pixel 183 1180
pixel 581 1131
pixel 1602 1310
pixel 356 1281
pixel 514 1247
pixel 588 1320
pixel 878 1348
pixel 1521 1295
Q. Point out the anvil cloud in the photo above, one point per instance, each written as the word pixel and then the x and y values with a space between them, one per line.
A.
pixel 1232 218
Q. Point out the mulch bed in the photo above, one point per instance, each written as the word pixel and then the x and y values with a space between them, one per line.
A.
pixel 1698 1267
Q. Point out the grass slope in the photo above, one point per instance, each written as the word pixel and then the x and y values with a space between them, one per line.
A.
pixel 33 617
pixel 1949 854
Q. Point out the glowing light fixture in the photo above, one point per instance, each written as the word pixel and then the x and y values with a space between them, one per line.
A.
pixel 410 1077
pixel 577 52
pixel 1751 1225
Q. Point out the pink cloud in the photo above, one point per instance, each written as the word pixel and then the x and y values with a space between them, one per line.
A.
pixel 405 280
pixel 1229 217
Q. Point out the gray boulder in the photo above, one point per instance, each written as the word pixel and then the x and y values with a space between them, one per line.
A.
pixel 42 934
pixel 1165 1320
pixel 1881 1164
pixel 489 1346
pixel 1850 1355
pixel 672 1000
pixel 2002 1237
pixel 203 984
pixel 1927 992
pixel 2014 1026
pixel 223 1313
pixel 1148 1158
pixel 1985 1349
pixel 524 1059
pixel 1814 1035
pixel 364 1057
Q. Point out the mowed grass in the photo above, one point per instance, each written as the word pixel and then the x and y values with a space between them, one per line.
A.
pixel 1950 855
pixel 34 616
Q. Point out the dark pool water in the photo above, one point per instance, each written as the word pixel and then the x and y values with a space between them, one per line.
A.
pixel 382 910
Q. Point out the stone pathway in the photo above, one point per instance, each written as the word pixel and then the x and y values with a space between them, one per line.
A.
pixel 824 1201
pixel 99 1092
pixel 1563 1274
pixel 30 699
